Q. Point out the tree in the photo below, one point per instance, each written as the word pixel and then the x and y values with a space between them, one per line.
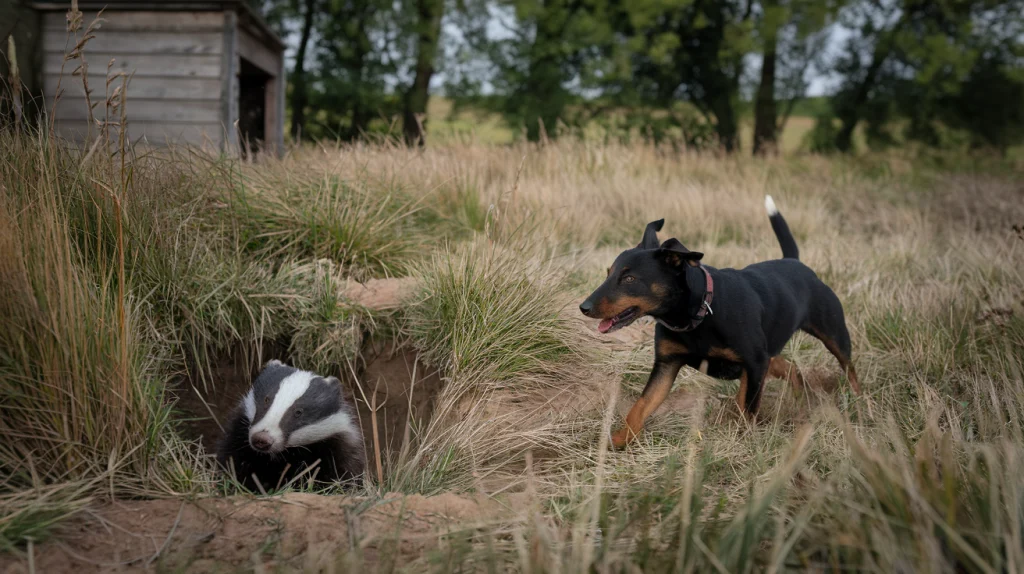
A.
pixel 427 33
pixel 299 81
pixel 684 50
pixel 790 36
pixel 535 62
pixel 765 113
pixel 985 97
pixel 989 105
pixel 358 56
pixel 914 59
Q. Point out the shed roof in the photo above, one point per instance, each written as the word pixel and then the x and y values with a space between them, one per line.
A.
pixel 247 16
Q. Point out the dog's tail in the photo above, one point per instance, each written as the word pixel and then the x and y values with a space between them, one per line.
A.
pixel 786 241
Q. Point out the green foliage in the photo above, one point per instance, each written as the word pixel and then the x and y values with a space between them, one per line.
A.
pixel 989 105
pixel 932 63
pixel 822 139
pixel 908 70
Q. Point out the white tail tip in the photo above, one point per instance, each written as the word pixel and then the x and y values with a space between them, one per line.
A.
pixel 769 205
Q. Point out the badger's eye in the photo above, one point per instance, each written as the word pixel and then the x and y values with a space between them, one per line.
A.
pixel 628 279
pixel 298 413
pixel 266 401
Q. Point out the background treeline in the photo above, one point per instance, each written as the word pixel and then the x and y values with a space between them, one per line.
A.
pixel 943 73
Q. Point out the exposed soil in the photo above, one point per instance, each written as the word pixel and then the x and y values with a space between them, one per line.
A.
pixel 379 294
pixel 295 531
pixel 399 388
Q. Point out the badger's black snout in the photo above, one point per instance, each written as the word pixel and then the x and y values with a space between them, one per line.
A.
pixel 586 307
pixel 261 441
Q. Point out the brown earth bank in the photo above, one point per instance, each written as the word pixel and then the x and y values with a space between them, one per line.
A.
pixel 292 532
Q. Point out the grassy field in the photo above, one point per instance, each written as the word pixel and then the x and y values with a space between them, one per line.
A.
pixel 123 282
pixel 140 289
pixel 483 127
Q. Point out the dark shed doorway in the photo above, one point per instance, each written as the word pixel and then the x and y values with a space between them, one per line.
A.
pixel 252 106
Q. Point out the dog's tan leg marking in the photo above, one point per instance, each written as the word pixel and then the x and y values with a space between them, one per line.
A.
pixel 782 369
pixel 844 361
pixel 658 387
pixel 724 353
pixel 741 396
pixel 668 347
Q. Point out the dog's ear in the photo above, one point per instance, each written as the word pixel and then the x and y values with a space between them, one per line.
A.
pixel 650 239
pixel 675 253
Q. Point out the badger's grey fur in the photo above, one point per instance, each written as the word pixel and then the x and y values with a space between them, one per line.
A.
pixel 289 421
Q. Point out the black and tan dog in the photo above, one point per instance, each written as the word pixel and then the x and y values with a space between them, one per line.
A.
pixel 731 324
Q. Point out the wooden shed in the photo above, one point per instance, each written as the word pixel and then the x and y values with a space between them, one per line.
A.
pixel 204 72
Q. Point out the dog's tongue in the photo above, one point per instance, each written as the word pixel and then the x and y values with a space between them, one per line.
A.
pixel 604 325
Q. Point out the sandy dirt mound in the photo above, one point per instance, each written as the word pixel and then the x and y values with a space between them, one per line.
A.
pixel 379 294
pixel 296 531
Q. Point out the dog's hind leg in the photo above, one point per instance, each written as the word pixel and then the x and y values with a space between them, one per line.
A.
pixel 748 399
pixel 827 324
pixel 782 369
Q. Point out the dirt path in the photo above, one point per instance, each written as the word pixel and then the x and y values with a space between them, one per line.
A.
pixel 296 531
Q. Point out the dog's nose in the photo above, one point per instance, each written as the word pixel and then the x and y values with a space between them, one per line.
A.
pixel 261 441
pixel 586 307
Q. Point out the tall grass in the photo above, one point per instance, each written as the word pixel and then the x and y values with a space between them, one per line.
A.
pixel 483 311
pixel 79 399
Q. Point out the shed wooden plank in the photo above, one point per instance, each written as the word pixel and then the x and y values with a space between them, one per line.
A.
pixel 229 89
pixel 149 110
pixel 142 21
pixel 155 65
pixel 149 87
pixel 155 133
pixel 258 54
pixel 143 43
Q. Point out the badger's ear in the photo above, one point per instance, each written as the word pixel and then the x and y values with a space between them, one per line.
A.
pixel 273 363
pixel 675 253
pixel 347 393
pixel 650 238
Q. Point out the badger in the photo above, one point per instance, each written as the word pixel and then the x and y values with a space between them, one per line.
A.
pixel 289 421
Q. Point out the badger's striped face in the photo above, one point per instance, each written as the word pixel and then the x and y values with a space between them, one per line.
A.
pixel 289 408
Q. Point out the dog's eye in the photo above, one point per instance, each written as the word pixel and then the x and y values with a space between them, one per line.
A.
pixel 628 279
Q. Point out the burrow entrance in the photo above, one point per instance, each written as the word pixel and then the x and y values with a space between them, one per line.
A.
pixel 391 388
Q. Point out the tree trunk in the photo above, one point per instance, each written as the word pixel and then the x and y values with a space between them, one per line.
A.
pixel 428 31
pixel 725 121
pixel 850 112
pixel 765 114
pixel 360 110
pixel 299 93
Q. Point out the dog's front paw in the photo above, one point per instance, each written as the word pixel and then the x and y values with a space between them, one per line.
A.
pixel 622 437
